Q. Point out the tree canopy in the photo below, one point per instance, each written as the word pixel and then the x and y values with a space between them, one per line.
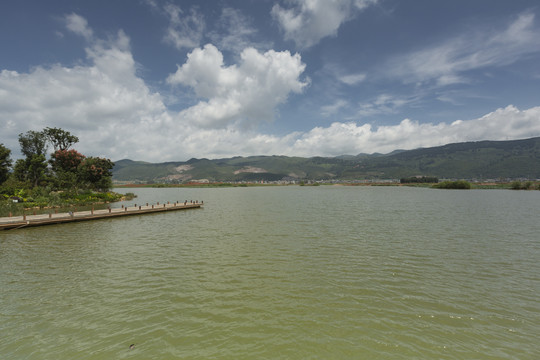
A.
pixel 5 163
pixel 60 139
pixel 66 169
pixel 33 143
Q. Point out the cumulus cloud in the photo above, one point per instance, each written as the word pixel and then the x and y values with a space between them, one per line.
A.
pixel 350 138
pixel 308 21
pixel 100 102
pixel 353 138
pixel 242 94
pixel 445 64
pixel 116 115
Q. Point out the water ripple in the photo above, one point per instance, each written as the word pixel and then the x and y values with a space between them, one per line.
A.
pixel 281 273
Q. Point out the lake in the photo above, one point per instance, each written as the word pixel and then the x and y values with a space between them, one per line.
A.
pixel 328 272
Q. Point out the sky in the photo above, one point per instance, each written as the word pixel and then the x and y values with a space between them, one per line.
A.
pixel 170 80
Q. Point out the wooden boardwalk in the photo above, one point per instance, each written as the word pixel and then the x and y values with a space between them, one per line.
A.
pixel 17 222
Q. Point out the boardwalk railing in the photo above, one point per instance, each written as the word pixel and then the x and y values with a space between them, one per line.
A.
pixel 15 222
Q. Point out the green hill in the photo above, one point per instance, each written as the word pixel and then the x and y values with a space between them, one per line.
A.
pixel 470 160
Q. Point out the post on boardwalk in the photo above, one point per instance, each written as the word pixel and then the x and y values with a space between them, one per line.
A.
pixel 10 214
pixel 139 207
pixel 24 217
pixel 92 211
pixel 109 209
pixel 50 215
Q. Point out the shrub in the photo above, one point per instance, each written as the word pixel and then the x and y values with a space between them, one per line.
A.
pixel 515 185
pixel 459 184
pixel 528 185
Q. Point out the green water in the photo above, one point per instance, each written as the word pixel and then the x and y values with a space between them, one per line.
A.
pixel 282 273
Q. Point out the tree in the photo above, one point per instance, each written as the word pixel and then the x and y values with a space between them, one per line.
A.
pixel 65 165
pixel 34 167
pixel 33 143
pixel 5 163
pixel 60 139
pixel 66 160
pixel 96 173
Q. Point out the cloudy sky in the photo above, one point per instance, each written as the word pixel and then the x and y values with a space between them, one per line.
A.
pixel 164 80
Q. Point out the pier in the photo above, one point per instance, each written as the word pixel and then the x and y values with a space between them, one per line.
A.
pixel 22 221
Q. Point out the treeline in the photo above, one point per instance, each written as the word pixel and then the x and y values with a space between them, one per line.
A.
pixel 419 180
pixel 65 170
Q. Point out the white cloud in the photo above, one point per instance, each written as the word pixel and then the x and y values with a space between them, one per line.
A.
pixel 446 63
pixel 116 115
pixel 78 25
pixel 101 103
pixel 352 79
pixel 308 21
pixel 242 94
pixel 185 29
pixel 384 104
pixel 328 110
pixel 234 32
pixel 350 138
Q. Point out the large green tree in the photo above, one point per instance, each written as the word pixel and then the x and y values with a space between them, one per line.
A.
pixel 59 138
pixel 96 174
pixel 65 165
pixel 5 163
pixel 34 148
pixel 33 143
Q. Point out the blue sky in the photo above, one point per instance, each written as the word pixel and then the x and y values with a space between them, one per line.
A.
pixel 170 80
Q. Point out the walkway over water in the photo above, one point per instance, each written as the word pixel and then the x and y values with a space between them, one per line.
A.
pixel 16 222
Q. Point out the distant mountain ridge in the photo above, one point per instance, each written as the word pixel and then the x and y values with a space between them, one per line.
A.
pixel 468 160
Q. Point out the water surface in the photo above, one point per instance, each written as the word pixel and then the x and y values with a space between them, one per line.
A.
pixel 325 272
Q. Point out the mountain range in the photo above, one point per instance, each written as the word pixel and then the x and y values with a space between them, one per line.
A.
pixel 483 160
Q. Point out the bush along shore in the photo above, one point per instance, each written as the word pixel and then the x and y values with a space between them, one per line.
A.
pixel 66 178
pixel 40 200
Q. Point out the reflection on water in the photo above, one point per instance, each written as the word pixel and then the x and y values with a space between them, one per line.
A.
pixel 281 273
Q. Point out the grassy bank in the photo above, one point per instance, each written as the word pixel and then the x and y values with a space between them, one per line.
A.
pixel 40 198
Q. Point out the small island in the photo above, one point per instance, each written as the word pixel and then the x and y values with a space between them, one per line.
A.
pixel 66 178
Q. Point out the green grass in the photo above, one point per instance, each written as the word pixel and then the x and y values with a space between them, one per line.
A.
pixel 40 199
